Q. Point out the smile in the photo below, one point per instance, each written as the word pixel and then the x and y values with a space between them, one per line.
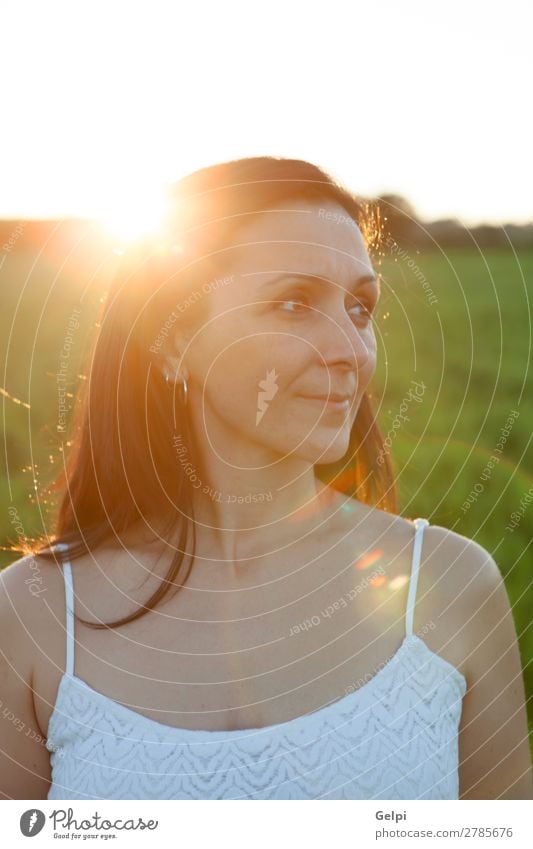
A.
pixel 333 405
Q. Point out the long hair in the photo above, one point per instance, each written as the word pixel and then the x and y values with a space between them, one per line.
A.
pixel 122 466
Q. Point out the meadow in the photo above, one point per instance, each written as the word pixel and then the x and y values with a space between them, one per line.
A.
pixel 455 324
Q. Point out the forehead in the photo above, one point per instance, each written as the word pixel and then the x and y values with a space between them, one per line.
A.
pixel 309 237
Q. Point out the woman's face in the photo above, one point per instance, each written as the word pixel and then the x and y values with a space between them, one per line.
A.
pixel 287 320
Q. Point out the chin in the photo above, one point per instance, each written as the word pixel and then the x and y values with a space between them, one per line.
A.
pixel 316 443
pixel 325 451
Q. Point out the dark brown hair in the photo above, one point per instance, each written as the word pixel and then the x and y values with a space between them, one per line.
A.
pixel 122 466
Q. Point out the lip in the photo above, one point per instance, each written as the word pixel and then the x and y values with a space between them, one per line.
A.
pixel 333 401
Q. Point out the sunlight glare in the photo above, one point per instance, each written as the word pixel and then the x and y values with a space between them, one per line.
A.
pixel 128 218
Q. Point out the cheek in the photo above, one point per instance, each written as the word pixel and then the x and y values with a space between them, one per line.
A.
pixel 368 365
pixel 245 353
pixel 237 370
pixel 366 355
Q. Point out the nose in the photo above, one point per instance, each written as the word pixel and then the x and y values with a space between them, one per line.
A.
pixel 342 342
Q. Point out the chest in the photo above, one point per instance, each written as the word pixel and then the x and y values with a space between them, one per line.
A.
pixel 264 650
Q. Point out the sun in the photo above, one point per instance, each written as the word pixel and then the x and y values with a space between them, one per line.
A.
pixel 134 213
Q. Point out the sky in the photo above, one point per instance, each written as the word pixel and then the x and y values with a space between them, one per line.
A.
pixel 104 103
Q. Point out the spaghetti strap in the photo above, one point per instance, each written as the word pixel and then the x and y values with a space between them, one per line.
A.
pixel 420 524
pixel 69 608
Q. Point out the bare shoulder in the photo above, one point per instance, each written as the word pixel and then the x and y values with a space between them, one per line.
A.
pixel 476 632
pixel 460 586
pixel 457 575
pixel 31 592
pixel 458 580
pixel 32 599
pixel 32 614
pixel 464 615
pixel 466 585
pixel 29 597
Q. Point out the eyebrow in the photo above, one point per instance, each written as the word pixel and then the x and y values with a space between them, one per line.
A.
pixel 360 282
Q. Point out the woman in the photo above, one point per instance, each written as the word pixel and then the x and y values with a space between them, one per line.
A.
pixel 234 616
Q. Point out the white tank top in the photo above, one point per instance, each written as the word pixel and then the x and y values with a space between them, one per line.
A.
pixel 395 737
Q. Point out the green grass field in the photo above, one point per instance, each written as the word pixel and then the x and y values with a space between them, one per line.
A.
pixel 457 323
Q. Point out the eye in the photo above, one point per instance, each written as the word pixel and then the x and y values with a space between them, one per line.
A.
pixel 367 312
pixel 293 298
pixel 301 298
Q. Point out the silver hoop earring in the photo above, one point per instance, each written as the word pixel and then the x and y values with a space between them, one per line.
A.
pixel 185 392
pixel 185 389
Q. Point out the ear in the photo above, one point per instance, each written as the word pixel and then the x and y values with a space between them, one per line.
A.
pixel 171 358
pixel 174 367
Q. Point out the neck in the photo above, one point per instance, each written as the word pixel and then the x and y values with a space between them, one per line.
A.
pixel 249 521
pixel 247 499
